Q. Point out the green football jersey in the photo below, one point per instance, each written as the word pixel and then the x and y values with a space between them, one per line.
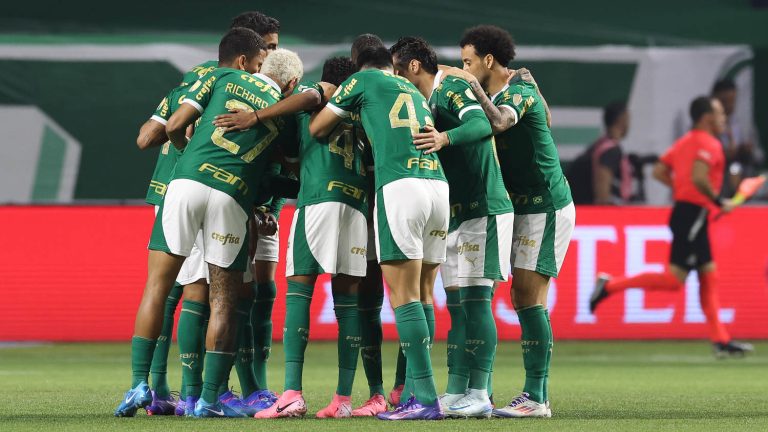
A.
pixel 472 168
pixel 527 153
pixel 231 162
pixel 391 110
pixel 332 168
pixel 198 71
pixel 168 156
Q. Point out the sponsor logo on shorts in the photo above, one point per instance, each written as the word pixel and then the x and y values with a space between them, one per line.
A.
pixel 525 241
pixel 428 164
pixel 439 233
pixel 225 238
pixel 354 192
pixel 358 251
pixel 468 247
pixel 225 176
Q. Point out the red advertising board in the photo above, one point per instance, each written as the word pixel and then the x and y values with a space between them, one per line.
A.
pixel 76 274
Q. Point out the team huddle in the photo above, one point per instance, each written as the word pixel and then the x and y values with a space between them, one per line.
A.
pixel 401 168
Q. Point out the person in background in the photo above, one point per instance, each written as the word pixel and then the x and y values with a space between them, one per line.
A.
pixel 611 169
pixel 742 154
pixel 693 169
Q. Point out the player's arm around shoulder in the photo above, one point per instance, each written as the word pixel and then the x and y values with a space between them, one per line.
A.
pixel 346 99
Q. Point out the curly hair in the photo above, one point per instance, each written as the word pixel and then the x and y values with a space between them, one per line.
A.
pixel 489 39
pixel 337 69
pixel 409 48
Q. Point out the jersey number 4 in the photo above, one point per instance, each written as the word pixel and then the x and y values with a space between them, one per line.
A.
pixel 411 122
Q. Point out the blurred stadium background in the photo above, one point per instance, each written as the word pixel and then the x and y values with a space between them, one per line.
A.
pixel 77 79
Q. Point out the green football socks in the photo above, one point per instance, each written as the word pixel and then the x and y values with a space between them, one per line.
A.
pixel 371 336
pixel 244 359
pixel 348 343
pixel 481 336
pixel 217 368
pixel 458 369
pixel 296 332
pixel 159 368
pixel 261 322
pixel 191 342
pixel 414 341
pixel 535 342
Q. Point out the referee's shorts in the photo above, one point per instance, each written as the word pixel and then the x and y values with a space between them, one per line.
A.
pixel 690 236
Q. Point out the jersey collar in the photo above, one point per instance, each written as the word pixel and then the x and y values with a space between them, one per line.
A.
pixel 268 80
pixel 506 86
pixel 436 82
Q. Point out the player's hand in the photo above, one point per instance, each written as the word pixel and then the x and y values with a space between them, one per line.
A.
pixel 728 206
pixel 253 238
pixel 236 120
pixel 430 140
pixel 267 224
pixel 521 74
pixel 460 73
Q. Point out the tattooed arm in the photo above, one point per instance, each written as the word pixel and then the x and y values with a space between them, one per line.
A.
pixel 500 119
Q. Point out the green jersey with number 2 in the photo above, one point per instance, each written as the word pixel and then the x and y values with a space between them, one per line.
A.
pixel 391 110
pixel 231 162
pixel 527 153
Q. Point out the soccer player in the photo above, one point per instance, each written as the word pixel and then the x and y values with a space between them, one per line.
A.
pixel 210 187
pixel 544 211
pixel 152 134
pixel 327 236
pixel 266 27
pixel 480 232
pixel 411 216
pixel 693 168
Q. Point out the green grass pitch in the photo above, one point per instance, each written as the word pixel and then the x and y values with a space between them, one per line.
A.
pixel 607 386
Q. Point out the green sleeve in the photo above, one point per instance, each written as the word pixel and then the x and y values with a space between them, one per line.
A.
pixel 348 97
pixel 474 127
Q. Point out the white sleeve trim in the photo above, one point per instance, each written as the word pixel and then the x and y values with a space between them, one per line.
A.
pixel 291 160
pixel 159 119
pixel 338 111
pixel 468 109
pixel 514 112
pixel 194 104
pixel 309 89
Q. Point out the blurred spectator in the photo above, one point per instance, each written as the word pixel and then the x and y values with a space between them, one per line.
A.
pixel 611 168
pixel 742 154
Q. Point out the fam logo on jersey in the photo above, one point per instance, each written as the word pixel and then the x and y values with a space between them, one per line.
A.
pixel 439 233
pixel 525 241
pixel 359 251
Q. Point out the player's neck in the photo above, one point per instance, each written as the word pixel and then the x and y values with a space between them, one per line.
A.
pixel 703 128
pixel 426 85
pixel 496 81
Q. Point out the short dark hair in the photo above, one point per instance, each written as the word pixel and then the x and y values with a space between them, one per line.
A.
pixel 489 39
pixel 700 106
pixel 375 57
pixel 240 41
pixel 256 21
pixel 612 112
pixel 337 69
pixel 725 84
pixel 365 40
pixel 409 48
